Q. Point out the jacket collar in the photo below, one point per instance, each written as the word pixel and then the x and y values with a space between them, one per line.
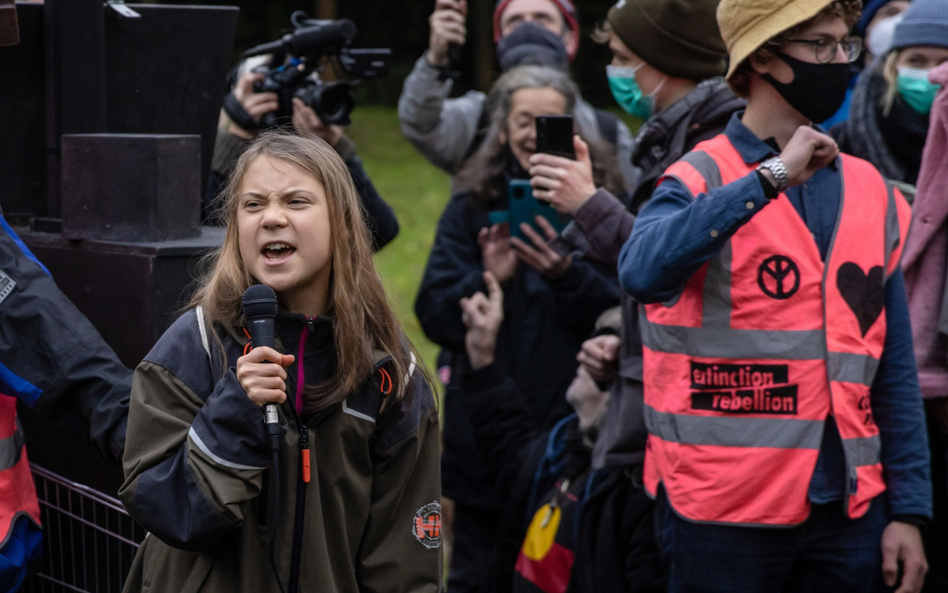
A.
pixel 752 149
pixel 707 101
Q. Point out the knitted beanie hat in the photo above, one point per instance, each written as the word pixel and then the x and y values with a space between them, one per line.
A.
pixel 679 38
pixel 566 8
pixel 869 10
pixel 924 23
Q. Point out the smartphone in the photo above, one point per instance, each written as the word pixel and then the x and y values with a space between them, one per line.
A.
pixel 525 208
pixel 555 135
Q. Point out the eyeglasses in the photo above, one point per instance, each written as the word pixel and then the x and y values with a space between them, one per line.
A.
pixel 825 48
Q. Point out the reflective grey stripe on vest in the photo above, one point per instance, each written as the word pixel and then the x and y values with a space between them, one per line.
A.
pixel 716 302
pixel 734 431
pixel 852 368
pixel 863 450
pixel 705 166
pixel 716 307
pixel 715 342
pixel 11 448
pixel 892 234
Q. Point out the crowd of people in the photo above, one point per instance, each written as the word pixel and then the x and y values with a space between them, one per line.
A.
pixel 714 361
pixel 721 336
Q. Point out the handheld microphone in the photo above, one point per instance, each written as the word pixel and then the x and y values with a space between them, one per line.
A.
pixel 306 39
pixel 260 309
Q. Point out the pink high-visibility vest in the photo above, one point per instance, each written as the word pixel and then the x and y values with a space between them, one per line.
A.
pixel 17 491
pixel 764 343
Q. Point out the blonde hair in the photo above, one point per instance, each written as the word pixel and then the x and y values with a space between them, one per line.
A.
pixel 363 321
pixel 890 73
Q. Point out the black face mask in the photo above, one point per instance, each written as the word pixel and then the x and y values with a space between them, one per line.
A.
pixel 817 90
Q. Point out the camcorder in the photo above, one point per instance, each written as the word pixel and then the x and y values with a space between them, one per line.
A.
pixel 298 59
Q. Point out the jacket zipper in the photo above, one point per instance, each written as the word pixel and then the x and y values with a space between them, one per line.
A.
pixel 303 469
pixel 303 472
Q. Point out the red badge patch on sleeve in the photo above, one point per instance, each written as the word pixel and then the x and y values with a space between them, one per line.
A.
pixel 426 526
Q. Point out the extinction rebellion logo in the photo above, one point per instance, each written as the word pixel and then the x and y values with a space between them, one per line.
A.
pixel 742 388
pixel 427 525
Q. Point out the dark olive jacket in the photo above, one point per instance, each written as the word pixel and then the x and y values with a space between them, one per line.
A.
pixel 196 473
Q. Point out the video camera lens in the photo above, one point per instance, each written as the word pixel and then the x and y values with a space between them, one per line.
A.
pixel 332 102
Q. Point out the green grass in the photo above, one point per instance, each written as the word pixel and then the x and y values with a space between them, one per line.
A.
pixel 418 192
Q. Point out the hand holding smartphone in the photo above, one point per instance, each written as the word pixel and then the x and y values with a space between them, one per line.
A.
pixel 555 135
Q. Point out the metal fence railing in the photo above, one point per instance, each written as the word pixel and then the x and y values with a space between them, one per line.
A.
pixel 89 540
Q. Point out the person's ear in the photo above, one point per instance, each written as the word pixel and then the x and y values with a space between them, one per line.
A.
pixel 571 41
pixel 759 64
pixel 502 136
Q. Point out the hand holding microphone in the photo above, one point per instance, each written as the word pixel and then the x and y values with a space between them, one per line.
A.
pixel 264 383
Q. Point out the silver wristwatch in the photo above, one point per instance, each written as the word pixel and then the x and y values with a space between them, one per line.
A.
pixel 775 166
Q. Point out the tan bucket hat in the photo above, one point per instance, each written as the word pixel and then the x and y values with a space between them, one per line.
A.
pixel 748 24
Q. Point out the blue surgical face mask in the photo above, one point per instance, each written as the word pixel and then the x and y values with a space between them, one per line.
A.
pixel 916 89
pixel 626 90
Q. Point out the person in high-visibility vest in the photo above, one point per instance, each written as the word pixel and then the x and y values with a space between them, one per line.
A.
pixel 786 445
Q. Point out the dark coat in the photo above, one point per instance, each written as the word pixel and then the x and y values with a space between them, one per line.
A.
pixel 545 323
pixel 52 359
pixel 610 529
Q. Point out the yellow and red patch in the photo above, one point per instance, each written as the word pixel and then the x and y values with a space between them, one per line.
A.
pixel 542 561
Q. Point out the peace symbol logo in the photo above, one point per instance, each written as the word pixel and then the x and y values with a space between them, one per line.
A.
pixel 778 277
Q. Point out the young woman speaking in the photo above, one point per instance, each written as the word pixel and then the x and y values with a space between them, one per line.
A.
pixel 362 515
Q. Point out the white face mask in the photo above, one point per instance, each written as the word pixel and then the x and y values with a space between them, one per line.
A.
pixel 879 39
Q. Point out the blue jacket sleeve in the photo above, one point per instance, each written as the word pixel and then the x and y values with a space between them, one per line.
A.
pixel 675 233
pixel 897 407
pixel 196 447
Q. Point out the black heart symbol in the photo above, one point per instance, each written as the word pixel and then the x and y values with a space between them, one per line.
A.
pixel 864 293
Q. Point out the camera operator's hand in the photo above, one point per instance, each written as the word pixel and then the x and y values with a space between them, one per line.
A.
pixel 482 316
pixel 261 374
pixel 256 104
pixel 306 121
pixel 566 184
pixel 541 256
pixel 600 357
pixel 807 152
pixel 499 259
pixel 447 27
